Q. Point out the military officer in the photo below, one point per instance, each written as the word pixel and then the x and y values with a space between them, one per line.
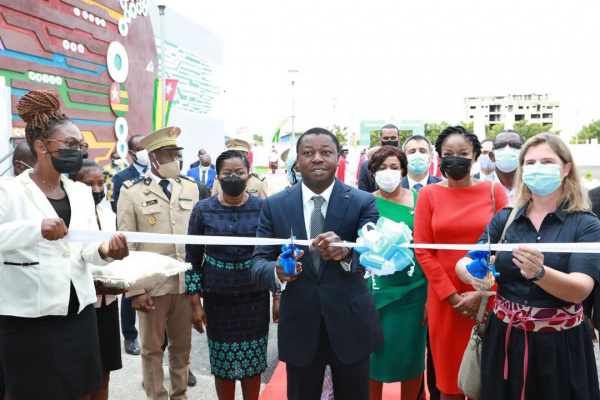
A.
pixel 256 185
pixel 161 201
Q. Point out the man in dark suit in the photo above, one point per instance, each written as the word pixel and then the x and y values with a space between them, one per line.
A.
pixel 418 153
pixel 389 135
pixel 327 315
pixel 139 166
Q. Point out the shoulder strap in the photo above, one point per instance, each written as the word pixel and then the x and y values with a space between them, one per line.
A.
pixel 493 197
pixel 484 301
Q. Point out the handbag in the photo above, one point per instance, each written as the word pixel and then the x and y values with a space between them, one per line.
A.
pixel 469 374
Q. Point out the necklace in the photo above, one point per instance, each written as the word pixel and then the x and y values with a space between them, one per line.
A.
pixel 44 182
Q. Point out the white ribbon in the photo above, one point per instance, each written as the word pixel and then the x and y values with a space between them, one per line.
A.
pixel 143 237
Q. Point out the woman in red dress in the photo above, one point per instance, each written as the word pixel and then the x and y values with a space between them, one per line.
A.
pixel 453 211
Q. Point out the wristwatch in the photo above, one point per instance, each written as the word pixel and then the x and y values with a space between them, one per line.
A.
pixel 539 275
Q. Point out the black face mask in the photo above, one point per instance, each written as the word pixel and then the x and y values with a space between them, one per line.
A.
pixel 233 185
pixel 98 197
pixel 390 143
pixel 455 167
pixel 68 161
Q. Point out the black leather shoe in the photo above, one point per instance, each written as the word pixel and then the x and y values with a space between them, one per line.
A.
pixel 132 347
pixel 191 378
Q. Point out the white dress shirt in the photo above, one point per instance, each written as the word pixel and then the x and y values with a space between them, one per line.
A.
pixel 308 204
pixel 509 193
pixel 412 183
pixel 157 179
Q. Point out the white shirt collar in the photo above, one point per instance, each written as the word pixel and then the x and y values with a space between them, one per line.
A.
pixel 412 183
pixel 139 168
pixel 308 194
pixel 157 179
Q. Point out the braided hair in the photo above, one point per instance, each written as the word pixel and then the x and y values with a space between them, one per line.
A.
pixel 458 130
pixel 40 110
pixel 231 154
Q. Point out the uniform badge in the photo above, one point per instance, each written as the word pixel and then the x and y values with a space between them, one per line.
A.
pixel 146 192
pixel 152 219
pixel 148 180
pixel 175 131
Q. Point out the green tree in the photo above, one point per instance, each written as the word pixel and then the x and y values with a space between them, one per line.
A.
pixel 341 133
pixel 257 138
pixel 590 131
pixel 528 130
pixel 433 130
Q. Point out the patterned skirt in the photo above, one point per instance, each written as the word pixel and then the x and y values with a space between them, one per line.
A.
pixel 238 333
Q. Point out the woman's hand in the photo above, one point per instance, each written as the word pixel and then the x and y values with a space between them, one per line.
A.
pixel 199 318
pixel 468 307
pixel 529 261
pixel 116 248
pixel 54 228
pixel 276 300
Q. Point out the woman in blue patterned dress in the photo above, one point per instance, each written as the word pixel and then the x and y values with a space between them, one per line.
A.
pixel 234 310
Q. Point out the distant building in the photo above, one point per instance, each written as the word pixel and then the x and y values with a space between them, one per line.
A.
pixel 492 110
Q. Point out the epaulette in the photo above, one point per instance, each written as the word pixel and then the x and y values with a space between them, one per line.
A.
pixel 133 181
pixel 257 176
pixel 189 178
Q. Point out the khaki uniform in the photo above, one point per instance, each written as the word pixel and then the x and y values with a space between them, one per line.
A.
pixel 144 207
pixel 256 186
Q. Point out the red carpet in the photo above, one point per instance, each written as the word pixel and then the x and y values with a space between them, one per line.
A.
pixel 276 388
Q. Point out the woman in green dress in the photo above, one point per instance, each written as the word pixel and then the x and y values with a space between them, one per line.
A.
pixel 400 297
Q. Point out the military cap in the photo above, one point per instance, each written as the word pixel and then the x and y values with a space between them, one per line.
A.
pixel 162 139
pixel 237 144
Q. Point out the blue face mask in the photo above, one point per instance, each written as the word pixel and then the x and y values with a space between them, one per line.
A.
pixel 542 179
pixel 486 163
pixel 418 163
pixel 507 159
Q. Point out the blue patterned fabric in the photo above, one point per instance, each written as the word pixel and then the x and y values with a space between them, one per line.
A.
pixel 237 311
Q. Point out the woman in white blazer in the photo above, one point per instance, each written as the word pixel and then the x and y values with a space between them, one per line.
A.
pixel 48 331
pixel 107 309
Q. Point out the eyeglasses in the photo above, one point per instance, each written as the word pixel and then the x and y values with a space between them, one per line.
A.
pixel 501 145
pixel 237 173
pixel 71 143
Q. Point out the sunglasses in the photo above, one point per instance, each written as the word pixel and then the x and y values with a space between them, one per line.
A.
pixel 501 145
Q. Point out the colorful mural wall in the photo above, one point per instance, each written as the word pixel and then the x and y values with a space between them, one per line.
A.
pixel 100 55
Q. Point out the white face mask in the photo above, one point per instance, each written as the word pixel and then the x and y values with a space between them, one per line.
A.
pixel 388 179
pixel 142 158
pixel 507 159
pixel 118 162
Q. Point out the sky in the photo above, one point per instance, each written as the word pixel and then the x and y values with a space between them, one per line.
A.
pixel 398 59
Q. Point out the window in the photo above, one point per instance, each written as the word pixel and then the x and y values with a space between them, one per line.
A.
pixel 472 107
pixel 546 115
pixel 519 117
pixel 510 108
pixel 520 107
pixel 495 108
pixel 494 118
pixel 535 116
pixel 470 116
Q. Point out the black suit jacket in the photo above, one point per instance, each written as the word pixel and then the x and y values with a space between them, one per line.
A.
pixel 341 298
pixel 431 179
pixel 366 181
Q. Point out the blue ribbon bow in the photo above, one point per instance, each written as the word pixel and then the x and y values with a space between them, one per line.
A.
pixel 380 248
pixel 479 267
